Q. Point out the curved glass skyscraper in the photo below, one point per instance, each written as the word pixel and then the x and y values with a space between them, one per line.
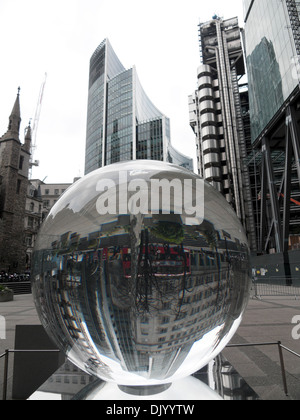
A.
pixel 122 122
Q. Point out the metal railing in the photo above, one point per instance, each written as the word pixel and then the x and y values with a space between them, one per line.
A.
pixel 275 286
pixel 281 358
pixel 280 346
pixel 6 364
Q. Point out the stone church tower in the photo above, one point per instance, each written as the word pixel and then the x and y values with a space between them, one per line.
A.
pixel 14 169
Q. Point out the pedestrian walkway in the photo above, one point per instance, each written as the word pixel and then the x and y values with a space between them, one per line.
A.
pixel 267 320
pixel 21 311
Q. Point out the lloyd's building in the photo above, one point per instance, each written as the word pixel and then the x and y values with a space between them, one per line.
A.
pixel 272 46
pixel 122 122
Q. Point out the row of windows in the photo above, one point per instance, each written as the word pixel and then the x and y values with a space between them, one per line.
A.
pixel 57 191
pixel 94 152
pixel 123 123
pixel 47 204
pixel 95 103
pixel 115 93
pixel 123 144
pixel 94 130
pixel 121 111
pixel 117 156
pixel 115 106
pixel 122 78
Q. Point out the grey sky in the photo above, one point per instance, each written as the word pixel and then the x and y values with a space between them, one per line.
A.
pixel 58 37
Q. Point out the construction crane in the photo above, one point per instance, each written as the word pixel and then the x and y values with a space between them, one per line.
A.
pixel 35 126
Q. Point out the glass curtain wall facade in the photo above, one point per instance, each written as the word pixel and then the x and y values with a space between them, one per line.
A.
pixel 271 56
pixel 122 122
pixel 104 65
pixel 272 46
pixel 119 128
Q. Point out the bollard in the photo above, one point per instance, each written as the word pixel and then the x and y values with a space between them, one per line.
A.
pixel 5 375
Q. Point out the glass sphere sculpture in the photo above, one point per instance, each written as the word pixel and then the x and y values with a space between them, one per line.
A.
pixel 141 273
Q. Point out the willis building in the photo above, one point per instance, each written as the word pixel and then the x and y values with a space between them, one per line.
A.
pixel 122 122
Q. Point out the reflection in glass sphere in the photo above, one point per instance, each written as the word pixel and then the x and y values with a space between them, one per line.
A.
pixel 141 273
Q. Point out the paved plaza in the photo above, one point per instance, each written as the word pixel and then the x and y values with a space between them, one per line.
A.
pixel 267 320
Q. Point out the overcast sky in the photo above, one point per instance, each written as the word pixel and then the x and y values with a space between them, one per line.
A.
pixel 58 37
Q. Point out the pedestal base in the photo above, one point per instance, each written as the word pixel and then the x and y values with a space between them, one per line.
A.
pixel 218 380
pixel 144 391
pixel 185 389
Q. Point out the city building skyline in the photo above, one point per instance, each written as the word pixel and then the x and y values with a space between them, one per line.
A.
pixel 122 122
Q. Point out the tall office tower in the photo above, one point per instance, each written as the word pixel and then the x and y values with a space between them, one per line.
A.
pixel 272 43
pixel 217 119
pixel 122 122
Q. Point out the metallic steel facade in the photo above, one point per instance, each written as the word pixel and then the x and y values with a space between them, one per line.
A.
pixel 217 119
pixel 272 45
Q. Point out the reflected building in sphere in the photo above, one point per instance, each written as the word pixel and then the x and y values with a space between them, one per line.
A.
pixel 141 298
pixel 122 122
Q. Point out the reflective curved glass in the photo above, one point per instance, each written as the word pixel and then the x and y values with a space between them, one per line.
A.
pixel 141 273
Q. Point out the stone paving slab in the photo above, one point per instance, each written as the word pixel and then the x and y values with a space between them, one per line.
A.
pixel 267 320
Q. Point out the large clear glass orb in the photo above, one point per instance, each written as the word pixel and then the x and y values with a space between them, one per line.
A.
pixel 141 273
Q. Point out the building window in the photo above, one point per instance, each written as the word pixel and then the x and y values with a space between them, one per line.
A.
pixel 19 182
pixel 21 162
pixel 56 192
pixel 165 320
pixel 28 240
pixel 47 192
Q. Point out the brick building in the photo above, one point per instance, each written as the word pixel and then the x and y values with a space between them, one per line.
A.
pixel 14 169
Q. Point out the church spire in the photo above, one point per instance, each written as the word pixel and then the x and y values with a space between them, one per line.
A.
pixel 14 121
pixel 28 138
